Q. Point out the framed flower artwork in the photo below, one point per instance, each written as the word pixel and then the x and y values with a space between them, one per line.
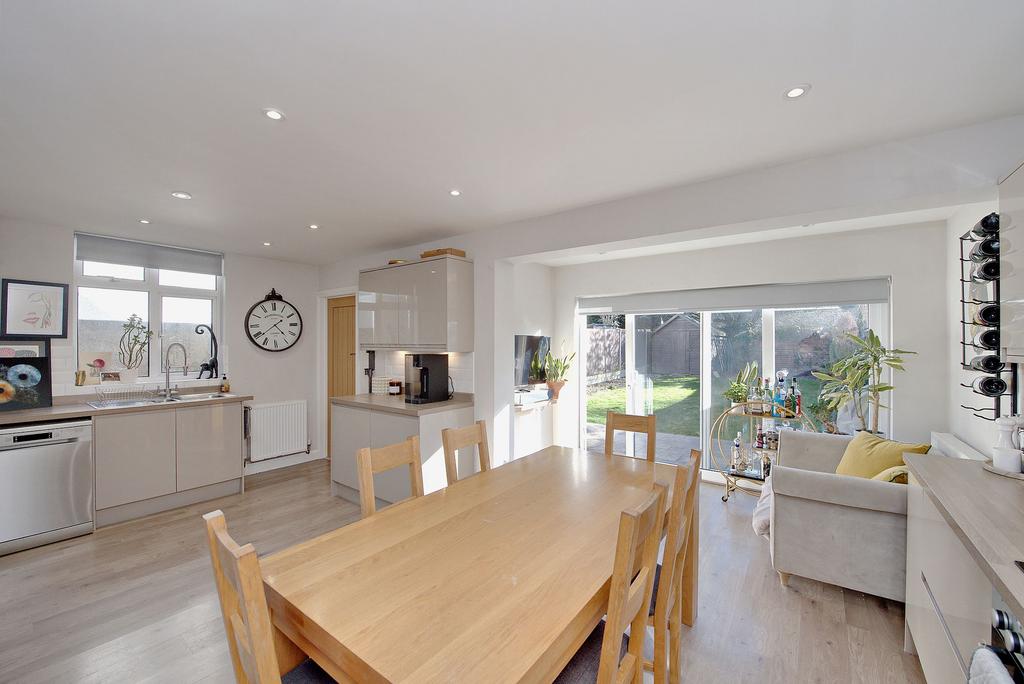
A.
pixel 25 383
pixel 31 309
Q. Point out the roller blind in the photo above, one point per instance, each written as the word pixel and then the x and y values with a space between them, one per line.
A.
pixel 779 296
pixel 111 250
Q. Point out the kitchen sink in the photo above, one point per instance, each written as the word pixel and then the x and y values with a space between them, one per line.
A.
pixel 203 395
pixel 130 403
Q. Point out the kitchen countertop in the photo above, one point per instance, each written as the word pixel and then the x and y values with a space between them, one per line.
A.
pixel 396 404
pixel 83 410
pixel 985 511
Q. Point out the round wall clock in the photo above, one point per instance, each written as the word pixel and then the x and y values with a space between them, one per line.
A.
pixel 273 324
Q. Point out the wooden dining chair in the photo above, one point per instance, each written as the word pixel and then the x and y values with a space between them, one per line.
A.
pixel 373 461
pixel 675 586
pixel 454 439
pixel 601 656
pixel 243 604
pixel 629 423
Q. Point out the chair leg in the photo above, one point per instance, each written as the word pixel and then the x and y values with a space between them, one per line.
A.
pixel 675 645
pixel 784 578
pixel 660 652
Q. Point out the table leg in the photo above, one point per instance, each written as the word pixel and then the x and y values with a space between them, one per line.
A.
pixel 288 654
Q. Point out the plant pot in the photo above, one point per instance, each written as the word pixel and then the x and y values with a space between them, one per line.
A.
pixel 554 388
pixel 130 375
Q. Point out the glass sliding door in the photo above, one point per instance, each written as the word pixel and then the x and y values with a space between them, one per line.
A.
pixel 736 339
pixel 642 364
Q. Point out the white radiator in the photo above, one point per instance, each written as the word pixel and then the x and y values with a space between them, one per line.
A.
pixel 277 429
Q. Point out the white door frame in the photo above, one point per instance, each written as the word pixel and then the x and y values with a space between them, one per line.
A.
pixel 321 359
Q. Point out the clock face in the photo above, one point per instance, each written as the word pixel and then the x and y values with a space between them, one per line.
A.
pixel 273 324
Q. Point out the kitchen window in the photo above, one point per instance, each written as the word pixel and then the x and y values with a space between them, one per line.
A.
pixel 117 278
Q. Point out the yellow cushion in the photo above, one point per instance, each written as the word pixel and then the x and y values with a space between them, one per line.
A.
pixel 897 474
pixel 867 455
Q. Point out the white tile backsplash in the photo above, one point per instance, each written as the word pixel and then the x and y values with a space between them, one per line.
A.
pixel 391 365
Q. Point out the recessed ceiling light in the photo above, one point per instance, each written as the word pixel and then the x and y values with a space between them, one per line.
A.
pixel 275 114
pixel 143 220
pixel 798 91
pixel 454 193
pixel 266 244
pixel 178 194
pixel 313 226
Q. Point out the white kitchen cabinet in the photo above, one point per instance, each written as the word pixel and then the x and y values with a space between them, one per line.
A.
pixel 377 310
pixel 1011 265
pixel 949 599
pixel 209 444
pixel 355 428
pixel 135 457
pixel 421 306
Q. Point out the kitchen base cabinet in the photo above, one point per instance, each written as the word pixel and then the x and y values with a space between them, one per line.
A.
pixel 153 461
pixel 209 444
pixel 354 428
pixel 135 457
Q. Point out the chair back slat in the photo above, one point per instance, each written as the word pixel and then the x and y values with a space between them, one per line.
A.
pixel 454 439
pixel 636 556
pixel 372 461
pixel 629 423
pixel 675 594
pixel 243 603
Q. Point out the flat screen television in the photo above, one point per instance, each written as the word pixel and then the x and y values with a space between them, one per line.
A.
pixel 527 347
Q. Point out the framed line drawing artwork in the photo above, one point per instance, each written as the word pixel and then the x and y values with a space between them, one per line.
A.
pixel 31 309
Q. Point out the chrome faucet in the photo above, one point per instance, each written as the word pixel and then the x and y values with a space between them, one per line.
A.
pixel 167 366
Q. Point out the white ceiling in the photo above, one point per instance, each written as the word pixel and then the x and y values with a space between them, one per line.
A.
pixel 528 107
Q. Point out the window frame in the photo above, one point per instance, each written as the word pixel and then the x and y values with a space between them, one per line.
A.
pixel 156 292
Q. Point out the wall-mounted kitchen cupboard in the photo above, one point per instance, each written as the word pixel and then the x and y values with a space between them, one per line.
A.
pixel 1011 266
pixel 420 306
pixel 157 460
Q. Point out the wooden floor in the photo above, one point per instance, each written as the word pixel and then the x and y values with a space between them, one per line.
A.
pixel 136 602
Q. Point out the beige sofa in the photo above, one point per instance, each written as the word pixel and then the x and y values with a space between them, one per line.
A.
pixel 843 530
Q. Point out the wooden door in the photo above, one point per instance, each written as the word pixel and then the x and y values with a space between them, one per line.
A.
pixel 341 351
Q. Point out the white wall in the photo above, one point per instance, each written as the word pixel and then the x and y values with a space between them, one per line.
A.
pixel 272 376
pixel 41 252
pixel 914 256
pixel 951 167
pixel 980 434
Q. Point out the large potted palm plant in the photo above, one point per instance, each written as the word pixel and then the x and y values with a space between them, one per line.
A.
pixel 857 379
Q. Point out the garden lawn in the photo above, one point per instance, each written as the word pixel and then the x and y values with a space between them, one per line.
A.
pixel 676 404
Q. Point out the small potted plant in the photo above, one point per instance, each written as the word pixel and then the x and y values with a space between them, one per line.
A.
pixel 739 389
pixel 857 379
pixel 555 371
pixel 132 348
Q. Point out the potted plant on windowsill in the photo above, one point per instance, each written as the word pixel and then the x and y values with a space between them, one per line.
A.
pixel 555 371
pixel 132 348
pixel 857 379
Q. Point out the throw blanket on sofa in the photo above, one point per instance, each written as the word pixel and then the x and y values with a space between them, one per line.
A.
pixel 763 510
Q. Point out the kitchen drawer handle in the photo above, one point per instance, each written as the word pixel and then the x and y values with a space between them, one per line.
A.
pixel 945 627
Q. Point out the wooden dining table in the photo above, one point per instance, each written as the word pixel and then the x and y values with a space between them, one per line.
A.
pixel 500 577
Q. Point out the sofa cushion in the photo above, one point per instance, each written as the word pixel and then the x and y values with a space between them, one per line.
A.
pixel 897 474
pixel 867 455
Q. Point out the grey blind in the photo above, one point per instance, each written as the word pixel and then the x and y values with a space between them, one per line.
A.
pixel 869 291
pixel 133 253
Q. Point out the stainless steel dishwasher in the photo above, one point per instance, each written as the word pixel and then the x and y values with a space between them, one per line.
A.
pixel 46 484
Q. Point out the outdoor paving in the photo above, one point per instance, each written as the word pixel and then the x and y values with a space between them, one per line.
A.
pixel 670 448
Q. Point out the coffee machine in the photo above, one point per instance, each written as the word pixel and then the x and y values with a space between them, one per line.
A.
pixel 426 378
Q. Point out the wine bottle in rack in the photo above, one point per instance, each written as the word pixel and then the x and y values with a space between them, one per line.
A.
pixel 987 226
pixel 987 339
pixel 1003 620
pixel 986 363
pixel 986 249
pixel 986 314
pixel 985 271
pixel 989 386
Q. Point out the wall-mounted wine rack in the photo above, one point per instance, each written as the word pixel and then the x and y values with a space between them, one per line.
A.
pixel 980 334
